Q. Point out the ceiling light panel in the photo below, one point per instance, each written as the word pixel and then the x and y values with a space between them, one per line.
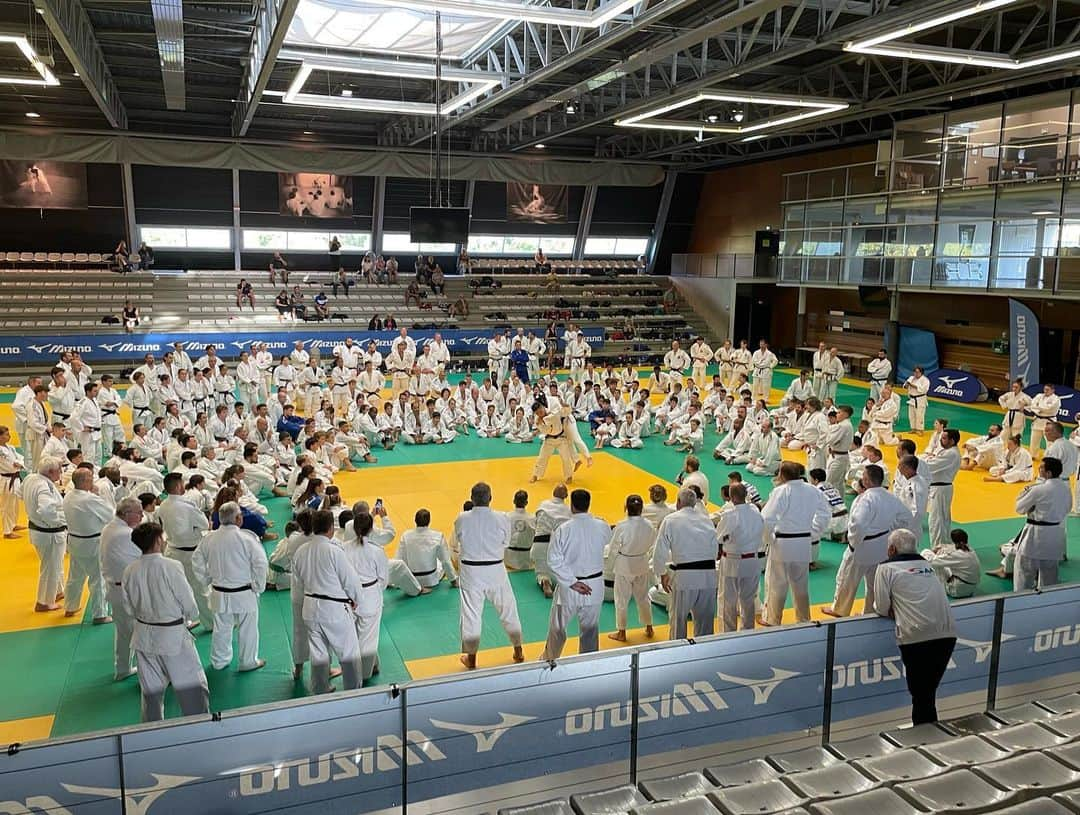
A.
pixel 45 76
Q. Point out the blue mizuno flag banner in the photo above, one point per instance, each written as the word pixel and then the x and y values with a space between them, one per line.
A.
pixel 1023 343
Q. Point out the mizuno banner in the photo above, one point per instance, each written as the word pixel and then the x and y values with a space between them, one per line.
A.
pixel 960 386
pixel 45 348
pixel 1023 343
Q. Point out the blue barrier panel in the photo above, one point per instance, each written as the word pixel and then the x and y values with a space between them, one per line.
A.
pixel 868 674
pixel 1040 636
pixel 730 688
pixel 79 777
pixel 528 722
pixel 45 347
pixel 339 754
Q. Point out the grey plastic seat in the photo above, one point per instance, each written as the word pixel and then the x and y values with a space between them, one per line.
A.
pixel 686 785
pixel 964 752
pixel 976 723
pixel 799 761
pixel 607 802
pixel 840 780
pixel 1028 736
pixel 1071 799
pixel 904 765
pixel 870 746
pixel 763 798
pixel 918 735
pixel 1030 772
pixel 1018 714
pixel 1068 725
pixel 744 772
pixel 1068 754
pixel 698 805
pixel 1038 806
pixel 876 802
pixel 556 807
pixel 1069 703
pixel 956 791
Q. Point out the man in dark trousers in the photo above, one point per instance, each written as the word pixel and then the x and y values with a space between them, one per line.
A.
pixel 907 590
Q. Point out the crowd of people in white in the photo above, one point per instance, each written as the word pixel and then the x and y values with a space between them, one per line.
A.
pixel 217 441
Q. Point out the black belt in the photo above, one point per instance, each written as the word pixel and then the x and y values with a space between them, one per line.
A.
pixel 1033 522
pixel 425 574
pixel 694 564
pixel 84 537
pixel 879 381
pixel 481 562
pixel 917 396
pixel 143 408
pixel 554 437
pixel 744 556
pixel 315 596
pixel 608 584
pixel 170 624
pixel 108 413
pixel 10 476
pixel 516 549
pixel 231 589
pixel 187 549
pixel 371 583
pixel 840 513
pixel 875 536
pixel 541 538
pixel 61 415
pixel 591 577
pixel 941 484
pixel 91 430
pixel 782 535
pixel 221 438
pixel 49 529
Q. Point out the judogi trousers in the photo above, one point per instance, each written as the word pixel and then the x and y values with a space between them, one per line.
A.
pixel 399 382
pixel 9 511
pixel 183 671
pixel 249 395
pixel 739 596
pixel 916 411
pixel 940 509
pixel 110 434
pixel 84 567
pixel 91 448
pixel 588 617
pixel 206 616
pixel 401 577
pixel 848 577
pixel 124 627
pixel 700 604
pixel 1032 573
pixel 779 577
pixel 836 470
pixel 561 446
pixel 699 371
pixel 480 583
pixel 367 634
pixel 301 649
pixel 50 548
pixel 636 588
pixel 221 645
pixel 326 638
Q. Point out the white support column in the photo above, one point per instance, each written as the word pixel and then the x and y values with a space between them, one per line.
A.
pixel 236 219
pixel 129 206
pixel 661 219
pixel 378 200
pixel 585 221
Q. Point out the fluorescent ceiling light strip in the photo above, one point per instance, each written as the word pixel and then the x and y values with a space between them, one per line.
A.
pixel 815 107
pixel 932 22
pixel 953 56
pixel 495 9
pixel 48 79
pixel 763 99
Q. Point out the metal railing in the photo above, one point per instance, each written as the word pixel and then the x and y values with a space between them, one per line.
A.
pixel 725 266
pixel 545 728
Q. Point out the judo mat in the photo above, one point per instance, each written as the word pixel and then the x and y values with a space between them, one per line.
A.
pixel 56 675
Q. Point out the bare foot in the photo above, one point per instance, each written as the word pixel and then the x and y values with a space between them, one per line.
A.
pixel 102 620
pixel 519 655
pixel 11 536
pixel 59 596
pixel 831 612
pixel 46 606
pixel 469 661
pixel 618 636
pixel 588 461
pixel 297 672
pixel 532 479
pixel 762 622
pixel 649 631
pixel 72 613
pixel 335 673
pixel 260 664
pixel 998 573
pixel 18 528
pixel 425 590
pixel 192 625
pixel 577 465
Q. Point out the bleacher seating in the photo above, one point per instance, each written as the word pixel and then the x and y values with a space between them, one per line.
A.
pixel 1029 766
pixel 69 260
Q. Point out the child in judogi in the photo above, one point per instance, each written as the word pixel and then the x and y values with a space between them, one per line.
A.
pixel 629 435
pixel 605 432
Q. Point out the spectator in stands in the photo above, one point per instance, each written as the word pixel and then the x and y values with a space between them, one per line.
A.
pixel 278 264
pixel 464 262
pixel 391 269
pixel 244 291
pixel 281 303
pixel 375 324
pixel 146 256
pixel 542 263
pixel 121 257
pixel 130 316
pixel 667 302
pixel 341 280
pixel 908 591
pixel 412 294
pixel 367 268
pixel 335 254
pixel 438 281
pixel 639 264
pixel 380 269
pixel 322 309
pixel 296 302
pixel 389 324
pixel 419 265
pixel 460 307
pixel 551 282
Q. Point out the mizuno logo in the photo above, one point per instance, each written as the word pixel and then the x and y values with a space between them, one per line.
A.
pixel 486 734
pixel 982 649
pixel 951 382
pixel 37 349
pixel 110 346
pixel 762 688
pixel 138 801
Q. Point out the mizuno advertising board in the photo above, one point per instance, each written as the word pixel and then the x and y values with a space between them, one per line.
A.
pixel 111 347
pixel 1040 636
pixel 959 386
pixel 1070 401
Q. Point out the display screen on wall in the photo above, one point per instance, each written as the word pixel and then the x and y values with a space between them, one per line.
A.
pixel 536 203
pixel 43 184
pixel 315 195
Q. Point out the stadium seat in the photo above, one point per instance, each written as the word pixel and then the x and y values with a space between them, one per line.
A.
pixel 904 765
pixel 918 735
pixel 874 802
pixel 1068 725
pixel 686 785
pixel 974 724
pixel 1071 799
pixel 956 791
pixel 809 758
pixel 556 807
pixel 683 806
pixel 1029 736
pixel 607 802
pixel 1067 754
pixel 1030 772
pixel 1039 806
pixel 1018 714
pixel 830 782
pixel 863 747
pixel 764 797
pixel 1069 703
pixel 964 752
pixel 744 772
